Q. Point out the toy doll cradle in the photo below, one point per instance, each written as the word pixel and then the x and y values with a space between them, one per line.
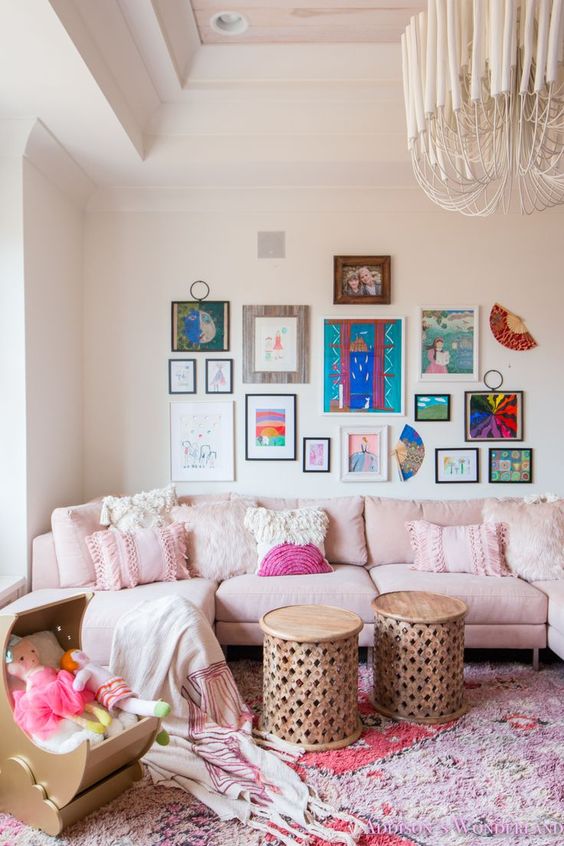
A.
pixel 48 790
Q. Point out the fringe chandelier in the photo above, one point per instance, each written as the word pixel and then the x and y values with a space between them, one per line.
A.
pixel 484 98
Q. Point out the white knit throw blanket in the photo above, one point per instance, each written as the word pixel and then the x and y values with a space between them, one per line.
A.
pixel 166 649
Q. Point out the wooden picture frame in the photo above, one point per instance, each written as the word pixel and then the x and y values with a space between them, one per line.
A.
pixel 431 408
pixel 364 453
pixel 218 381
pixel 510 465
pixel 361 280
pixel 493 416
pixel 275 344
pixel 462 468
pixel 270 427
pixel 316 455
pixel 199 326
pixel 182 376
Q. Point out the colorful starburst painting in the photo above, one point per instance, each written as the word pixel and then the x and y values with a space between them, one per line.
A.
pixel 494 416
pixel 363 365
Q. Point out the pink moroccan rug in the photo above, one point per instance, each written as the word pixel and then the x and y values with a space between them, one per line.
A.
pixel 496 776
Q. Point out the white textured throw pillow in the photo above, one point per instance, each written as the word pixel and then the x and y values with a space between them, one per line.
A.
pixel 145 510
pixel 299 526
pixel 218 542
pixel 535 536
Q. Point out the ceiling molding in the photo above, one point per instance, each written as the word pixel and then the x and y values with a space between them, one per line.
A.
pixel 14 135
pixel 54 162
pixel 180 32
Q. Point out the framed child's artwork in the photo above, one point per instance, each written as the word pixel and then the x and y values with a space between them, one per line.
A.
pixel 457 465
pixel 200 326
pixel 363 365
pixel 362 280
pixel 449 340
pixel 219 375
pixel 493 415
pixel 364 454
pixel 275 344
pixel 432 408
pixel 182 375
pixel 201 441
pixel 508 466
pixel 317 455
pixel 270 427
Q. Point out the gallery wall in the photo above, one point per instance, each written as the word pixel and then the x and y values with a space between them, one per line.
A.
pixel 144 247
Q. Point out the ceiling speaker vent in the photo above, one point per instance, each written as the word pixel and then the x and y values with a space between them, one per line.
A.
pixel 271 245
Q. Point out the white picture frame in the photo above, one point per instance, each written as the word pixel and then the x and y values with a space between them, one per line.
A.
pixel 364 453
pixel 454 340
pixel 201 442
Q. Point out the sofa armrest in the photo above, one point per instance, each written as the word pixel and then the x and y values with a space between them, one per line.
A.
pixel 44 568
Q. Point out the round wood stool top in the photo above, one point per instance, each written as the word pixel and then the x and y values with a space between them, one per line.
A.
pixel 418 606
pixel 311 623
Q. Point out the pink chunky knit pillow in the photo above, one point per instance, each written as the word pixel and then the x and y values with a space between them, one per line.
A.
pixel 138 557
pixel 291 559
pixel 458 549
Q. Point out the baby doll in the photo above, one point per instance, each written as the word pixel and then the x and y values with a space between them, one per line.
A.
pixel 50 696
pixel 112 691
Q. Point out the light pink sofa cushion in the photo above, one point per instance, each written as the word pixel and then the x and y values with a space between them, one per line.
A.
pixel 105 608
pixel 477 549
pixel 71 526
pixel 200 499
pixel 554 589
pixel 246 598
pixel 44 567
pixel 277 503
pixel 489 600
pixel 387 537
pixel 345 542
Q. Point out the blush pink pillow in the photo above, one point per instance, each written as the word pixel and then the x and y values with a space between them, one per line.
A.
pixel 138 557
pixel 459 549
pixel 291 559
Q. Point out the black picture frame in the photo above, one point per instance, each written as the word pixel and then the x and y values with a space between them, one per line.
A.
pixel 457 481
pixel 469 438
pixel 229 363
pixel 327 441
pixel 494 481
pixel 217 310
pixel 416 409
pixel 291 447
pixel 173 361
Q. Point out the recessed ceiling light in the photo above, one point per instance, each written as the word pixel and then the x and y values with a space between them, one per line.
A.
pixel 229 23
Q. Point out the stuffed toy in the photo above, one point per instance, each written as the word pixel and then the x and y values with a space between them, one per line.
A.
pixel 49 696
pixel 111 691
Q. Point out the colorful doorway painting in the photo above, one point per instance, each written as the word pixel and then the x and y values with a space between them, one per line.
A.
pixel 363 365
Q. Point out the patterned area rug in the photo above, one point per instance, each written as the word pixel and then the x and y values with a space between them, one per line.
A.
pixel 495 776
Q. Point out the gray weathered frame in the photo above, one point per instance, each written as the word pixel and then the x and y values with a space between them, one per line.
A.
pixel 301 374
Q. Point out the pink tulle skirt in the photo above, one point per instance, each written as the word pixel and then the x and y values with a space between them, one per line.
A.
pixel 49 698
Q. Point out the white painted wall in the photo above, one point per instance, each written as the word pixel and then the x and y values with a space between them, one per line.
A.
pixel 143 249
pixel 53 249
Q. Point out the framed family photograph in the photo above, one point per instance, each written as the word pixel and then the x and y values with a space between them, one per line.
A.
pixel 201 442
pixel 510 466
pixel 448 347
pixel 270 427
pixel 363 365
pixel 361 280
pixel 432 408
pixel 316 455
pixel 457 465
pixel 275 344
pixel 493 415
pixel 182 375
pixel 200 326
pixel 364 454
pixel 219 375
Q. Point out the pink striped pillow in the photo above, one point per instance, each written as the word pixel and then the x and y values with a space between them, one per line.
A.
pixel 138 557
pixel 479 550
pixel 292 559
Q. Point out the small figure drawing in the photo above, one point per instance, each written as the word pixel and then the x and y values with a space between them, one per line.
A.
pixel 218 381
pixel 363 461
pixel 198 457
pixel 268 349
pixel 456 466
pixel 278 348
pixel 438 357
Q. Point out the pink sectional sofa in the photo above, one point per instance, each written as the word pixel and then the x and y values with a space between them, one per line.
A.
pixel 368 546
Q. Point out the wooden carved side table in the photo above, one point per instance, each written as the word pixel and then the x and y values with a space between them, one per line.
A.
pixel 310 687
pixel 419 656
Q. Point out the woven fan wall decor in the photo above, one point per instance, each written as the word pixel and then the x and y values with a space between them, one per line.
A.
pixel 510 330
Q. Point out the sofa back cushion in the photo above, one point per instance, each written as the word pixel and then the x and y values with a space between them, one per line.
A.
pixel 345 542
pixel 71 526
pixel 387 537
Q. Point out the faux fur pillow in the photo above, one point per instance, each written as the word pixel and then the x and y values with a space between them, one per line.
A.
pixel 535 536
pixel 219 544
pixel 289 542
pixel 144 510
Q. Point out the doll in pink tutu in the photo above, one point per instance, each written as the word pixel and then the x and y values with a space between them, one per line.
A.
pixel 49 696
